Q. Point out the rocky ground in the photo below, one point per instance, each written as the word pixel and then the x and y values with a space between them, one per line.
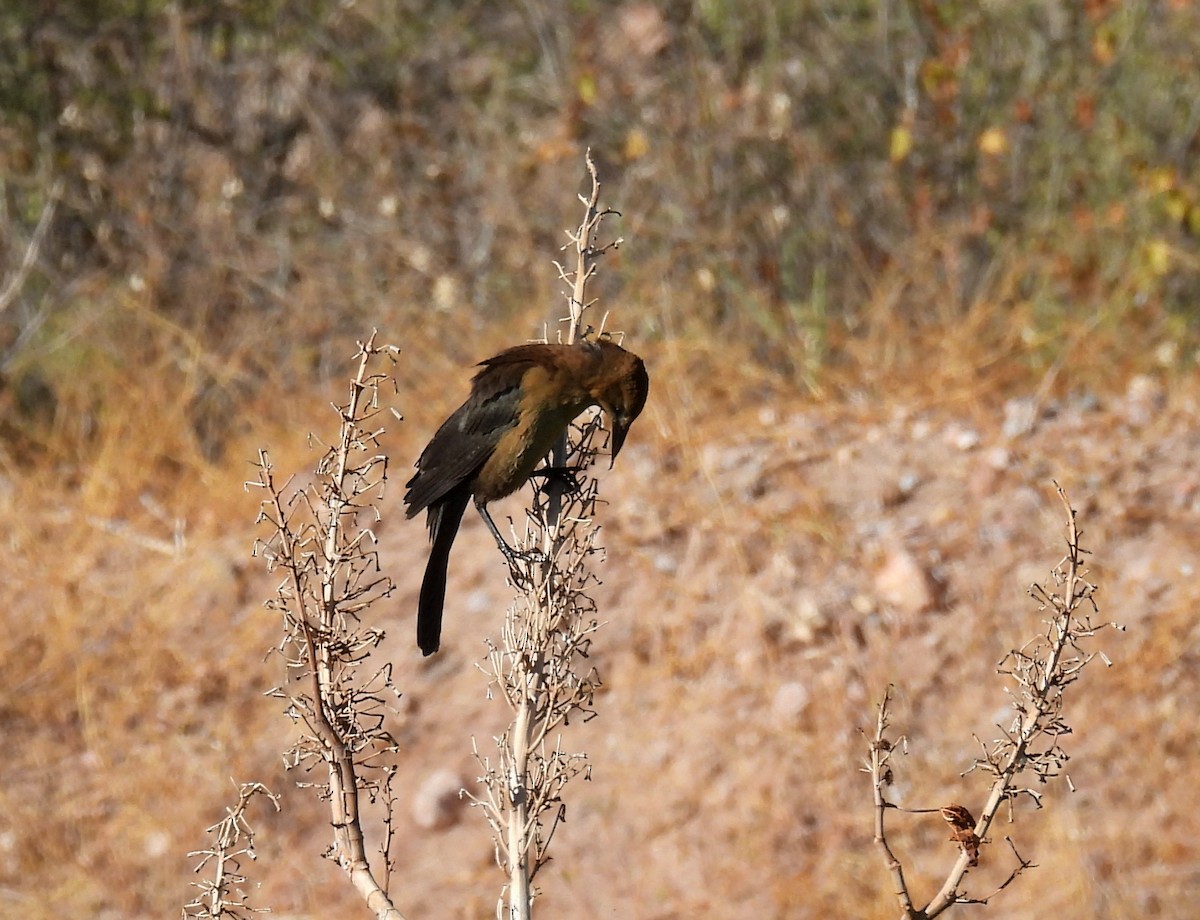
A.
pixel 769 572
pixel 767 578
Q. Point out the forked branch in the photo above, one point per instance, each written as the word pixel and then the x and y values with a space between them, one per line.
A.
pixel 223 894
pixel 587 253
pixel 321 538
pixel 540 668
pixel 1038 673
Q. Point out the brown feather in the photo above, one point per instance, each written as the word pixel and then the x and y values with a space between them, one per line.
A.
pixel 520 403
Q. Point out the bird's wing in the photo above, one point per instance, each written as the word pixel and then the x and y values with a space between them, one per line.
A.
pixel 465 441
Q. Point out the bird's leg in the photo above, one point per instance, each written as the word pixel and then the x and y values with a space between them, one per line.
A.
pixel 511 555
pixel 508 551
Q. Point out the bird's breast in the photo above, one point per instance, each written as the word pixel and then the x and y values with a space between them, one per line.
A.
pixel 522 447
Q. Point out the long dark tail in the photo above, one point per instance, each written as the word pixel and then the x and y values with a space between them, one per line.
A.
pixel 444 518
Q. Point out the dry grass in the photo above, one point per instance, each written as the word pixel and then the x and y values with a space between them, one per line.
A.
pixel 742 546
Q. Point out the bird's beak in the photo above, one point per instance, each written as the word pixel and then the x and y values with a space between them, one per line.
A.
pixel 618 438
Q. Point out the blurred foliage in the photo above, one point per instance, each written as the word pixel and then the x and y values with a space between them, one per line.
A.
pixel 246 182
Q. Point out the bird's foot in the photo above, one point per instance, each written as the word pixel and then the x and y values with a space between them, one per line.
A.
pixel 565 476
pixel 527 556
pixel 523 565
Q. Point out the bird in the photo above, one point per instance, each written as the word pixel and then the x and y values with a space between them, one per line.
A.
pixel 521 402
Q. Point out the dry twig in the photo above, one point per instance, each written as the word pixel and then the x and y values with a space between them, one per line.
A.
pixel 540 669
pixel 1039 672
pixel 322 540
pixel 222 893
pixel 582 241
pixel 13 288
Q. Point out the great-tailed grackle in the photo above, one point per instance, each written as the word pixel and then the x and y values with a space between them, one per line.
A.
pixel 520 403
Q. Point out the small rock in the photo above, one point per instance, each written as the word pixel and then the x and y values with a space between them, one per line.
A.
pixel 905 584
pixel 998 458
pixel 988 472
pixel 862 604
pixel 644 27
pixel 809 621
pixel 799 625
pixel 1167 353
pixel 961 437
pixel 1020 417
pixel 983 480
pixel 666 562
pixel 447 293
pixel 900 491
pixel 1145 398
pixel 790 701
pixel 437 803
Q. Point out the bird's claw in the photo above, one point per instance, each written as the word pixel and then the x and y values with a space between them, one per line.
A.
pixel 527 556
pixel 565 476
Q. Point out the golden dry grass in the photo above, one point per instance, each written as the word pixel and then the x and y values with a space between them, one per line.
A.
pixel 745 527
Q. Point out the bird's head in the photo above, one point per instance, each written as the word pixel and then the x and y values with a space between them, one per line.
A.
pixel 621 392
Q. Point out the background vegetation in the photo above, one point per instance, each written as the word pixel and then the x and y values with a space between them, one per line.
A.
pixel 862 210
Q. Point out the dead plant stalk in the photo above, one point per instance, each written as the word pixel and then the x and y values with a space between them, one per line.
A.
pixel 540 666
pixel 333 575
pixel 1040 671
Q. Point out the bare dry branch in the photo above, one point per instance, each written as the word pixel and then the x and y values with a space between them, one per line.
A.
pixel 879 767
pixel 322 539
pixel 587 252
pixel 222 893
pixel 1039 672
pixel 540 668
pixel 21 275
